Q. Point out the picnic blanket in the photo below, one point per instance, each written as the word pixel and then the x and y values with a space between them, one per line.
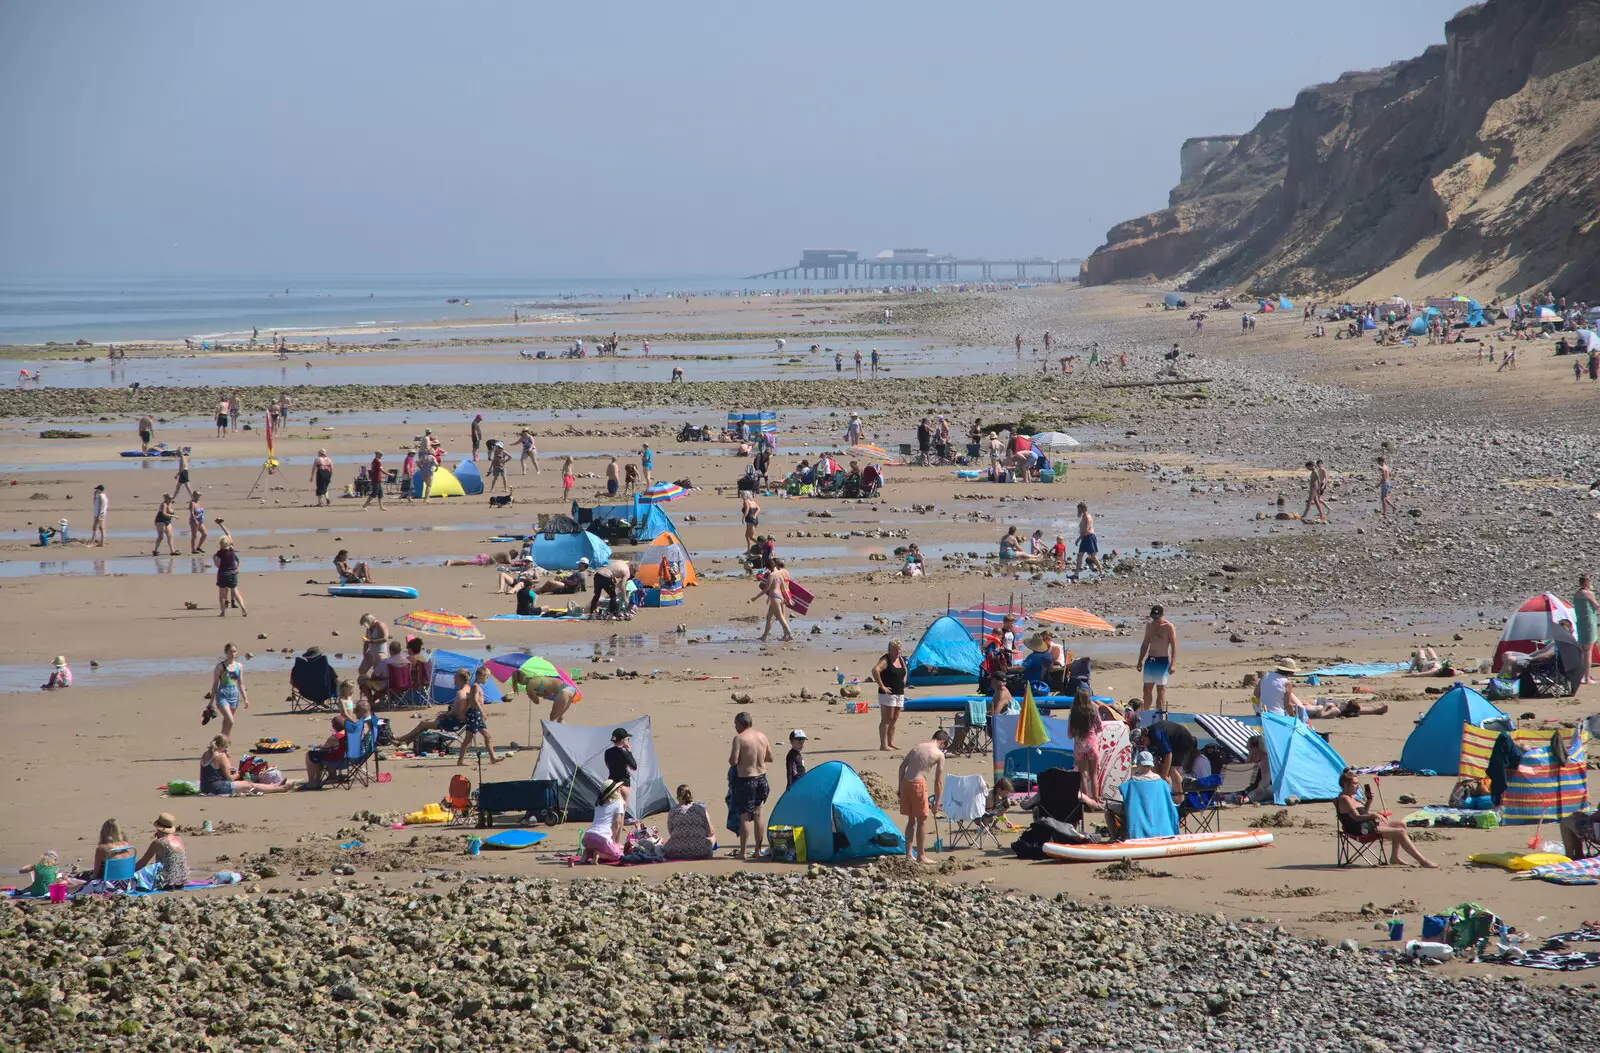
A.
pixel 1231 733
pixel 1554 954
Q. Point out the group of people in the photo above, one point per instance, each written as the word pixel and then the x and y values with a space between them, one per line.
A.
pixel 117 865
pixel 1036 550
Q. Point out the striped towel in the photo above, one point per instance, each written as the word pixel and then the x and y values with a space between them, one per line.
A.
pixel 1229 732
pixel 1578 867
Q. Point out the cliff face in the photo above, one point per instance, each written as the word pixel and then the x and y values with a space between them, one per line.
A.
pixel 1476 164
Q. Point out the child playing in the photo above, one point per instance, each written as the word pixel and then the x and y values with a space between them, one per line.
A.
pixel 794 764
pixel 44 875
pixel 60 675
pixel 1058 552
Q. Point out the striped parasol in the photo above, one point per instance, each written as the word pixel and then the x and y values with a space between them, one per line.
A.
pixel 1073 618
pixel 440 623
pixel 660 493
pixel 873 454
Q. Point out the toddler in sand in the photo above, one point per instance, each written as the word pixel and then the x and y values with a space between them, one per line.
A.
pixel 60 675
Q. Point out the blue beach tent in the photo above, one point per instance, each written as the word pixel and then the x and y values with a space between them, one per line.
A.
pixel 562 551
pixel 635 522
pixel 1302 763
pixel 1367 322
pixel 1435 743
pixel 445 664
pixel 838 814
pixel 1285 304
pixel 470 478
pixel 946 654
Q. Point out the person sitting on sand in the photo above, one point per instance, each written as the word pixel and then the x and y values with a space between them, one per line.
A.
pixel 218 778
pixel 348 575
pixel 564 584
pixel 1579 831
pixel 43 872
pixel 690 834
pixel 165 863
pixel 1011 546
pixel 60 676
pixel 1356 821
pixel 602 842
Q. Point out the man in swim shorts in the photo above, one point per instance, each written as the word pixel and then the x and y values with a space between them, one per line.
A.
pixel 1088 543
pixel 924 760
pixel 749 756
pixel 1158 655
pixel 147 432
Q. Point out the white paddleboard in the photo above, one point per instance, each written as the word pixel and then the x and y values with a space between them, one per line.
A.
pixel 1161 847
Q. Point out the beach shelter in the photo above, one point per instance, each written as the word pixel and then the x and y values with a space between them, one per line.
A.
pixel 1547 314
pixel 946 654
pixel 839 817
pixel 1435 743
pixel 468 476
pixel 1172 299
pixel 445 664
pixel 756 422
pixel 669 546
pixel 445 484
pixel 634 522
pixel 1367 322
pixel 1538 619
pixel 1543 792
pixel 573 757
pixel 1588 339
pixel 1285 304
pixel 1537 746
pixel 562 551
pixel 1303 765
pixel 986 617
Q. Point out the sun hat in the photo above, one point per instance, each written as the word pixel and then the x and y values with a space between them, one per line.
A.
pixel 165 821
pixel 1287 666
pixel 1035 642
pixel 798 733
pixel 60 661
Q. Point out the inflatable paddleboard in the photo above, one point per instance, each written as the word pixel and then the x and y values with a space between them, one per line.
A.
pixel 1160 847
pixel 958 703
pixel 530 617
pixel 150 453
pixel 374 592
pixel 509 839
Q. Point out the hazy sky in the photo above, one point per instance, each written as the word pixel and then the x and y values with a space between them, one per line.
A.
pixel 583 139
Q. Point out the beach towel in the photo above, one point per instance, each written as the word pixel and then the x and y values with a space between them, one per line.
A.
pixel 1232 734
pixel 1359 669
pixel 1574 868
pixel 1149 808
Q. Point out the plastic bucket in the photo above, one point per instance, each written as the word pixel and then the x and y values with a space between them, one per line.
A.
pixel 1397 929
pixel 474 846
pixel 58 892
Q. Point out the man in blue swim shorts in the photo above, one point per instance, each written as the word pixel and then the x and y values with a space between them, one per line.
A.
pixel 1158 655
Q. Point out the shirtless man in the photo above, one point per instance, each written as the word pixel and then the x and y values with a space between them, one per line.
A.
pixel 749 757
pixel 1088 543
pixel 1158 656
pixel 147 432
pixel 925 759
pixel 1314 494
pixel 1385 483
pixel 222 418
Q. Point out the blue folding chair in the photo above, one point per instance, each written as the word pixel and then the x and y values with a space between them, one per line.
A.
pixel 360 763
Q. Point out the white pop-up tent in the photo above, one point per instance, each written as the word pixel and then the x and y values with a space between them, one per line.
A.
pixel 573 757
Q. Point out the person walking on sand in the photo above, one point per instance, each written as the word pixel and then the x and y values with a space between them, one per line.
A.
pixel 222 419
pixel 183 473
pixel 498 459
pixel 875 360
pixel 647 464
pixel 749 756
pixel 858 361
pixel 226 560
pixel 566 478
pixel 164 516
pixel 228 692
pixel 775 587
pixel 1314 494
pixel 476 434
pixel 1385 483
pixel 375 642
pixel 147 432
pixel 1158 658
pixel 530 452
pixel 890 675
pixel 197 524
pixel 97 532
pixel 1584 606
pixel 375 480
pixel 750 513
pixel 321 476
pixel 1088 543
pixel 233 412
pixel 853 430
pixel 923 762
pixel 474 721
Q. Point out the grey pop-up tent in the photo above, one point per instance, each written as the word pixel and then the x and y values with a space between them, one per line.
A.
pixel 573 757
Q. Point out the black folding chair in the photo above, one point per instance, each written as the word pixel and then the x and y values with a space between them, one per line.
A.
pixel 313 685
pixel 1058 796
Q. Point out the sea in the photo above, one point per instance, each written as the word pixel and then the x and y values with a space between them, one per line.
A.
pixel 101 311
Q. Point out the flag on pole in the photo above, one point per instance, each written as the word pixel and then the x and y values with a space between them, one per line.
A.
pixel 1030 726
pixel 271 463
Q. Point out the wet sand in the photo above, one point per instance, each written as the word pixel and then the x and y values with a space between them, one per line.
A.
pixel 1160 475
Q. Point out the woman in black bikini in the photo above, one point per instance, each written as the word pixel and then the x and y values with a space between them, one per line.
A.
pixel 752 518
pixel 1356 821
pixel 164 516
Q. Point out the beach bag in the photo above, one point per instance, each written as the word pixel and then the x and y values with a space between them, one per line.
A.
pixel 269 777
pixel 1469 924
pixel 1045 832
pixel 182 788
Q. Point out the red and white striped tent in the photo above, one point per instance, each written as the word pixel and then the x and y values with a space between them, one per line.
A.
pixel 1538 619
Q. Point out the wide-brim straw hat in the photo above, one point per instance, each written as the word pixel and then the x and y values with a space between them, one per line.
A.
pixel 60 661
pixel 1287 666
pixel 1036 642
pixel 165 821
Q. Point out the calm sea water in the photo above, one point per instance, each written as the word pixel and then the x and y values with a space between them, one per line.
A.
pixel 38 311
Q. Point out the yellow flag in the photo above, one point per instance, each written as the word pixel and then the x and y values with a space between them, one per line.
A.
pixel 1030 726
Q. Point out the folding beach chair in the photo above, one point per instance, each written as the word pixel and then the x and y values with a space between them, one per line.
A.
pixel 313 685
pixel 360 762
pixel 403 690
pixel 1199 812
pixel 969 732
pixel 459 800
pixel 963 810
pixel 1367 848
pixel 1078 674
pixel 1058 796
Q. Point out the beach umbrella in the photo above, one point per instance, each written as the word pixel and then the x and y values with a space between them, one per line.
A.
pixel 504 666
pixel 440 623
pixel 1054 438
pixel 873 454
pixel 521 667
pixel 660 493
pixel 1030 726
pixel 1073 618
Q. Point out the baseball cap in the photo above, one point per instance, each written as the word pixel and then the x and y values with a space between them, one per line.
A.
pixel 798 733
pixel 583 561
pixel 1144 760
pixel 620 734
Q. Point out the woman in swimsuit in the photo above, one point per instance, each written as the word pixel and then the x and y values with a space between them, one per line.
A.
pixel 377 640
pixel 217 776
pixel 164 516
pixel 751 513
pixel 348 575
pixel 197 524
pixel 227 687
pixel 1356 821
pixel 321 476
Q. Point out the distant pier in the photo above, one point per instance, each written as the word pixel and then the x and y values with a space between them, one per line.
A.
pixel 911 265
